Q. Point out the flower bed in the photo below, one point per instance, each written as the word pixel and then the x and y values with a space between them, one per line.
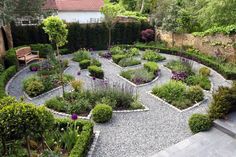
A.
pixel 182 71
pixel 142 75
pixel 153 56
pixel 83 101
pixel 178 94
pixel 46 79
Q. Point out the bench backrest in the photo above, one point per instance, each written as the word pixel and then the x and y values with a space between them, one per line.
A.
pixel 23 51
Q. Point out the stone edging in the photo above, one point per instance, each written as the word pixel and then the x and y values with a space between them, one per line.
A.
pixel 141 85
pixel 184 110
pixel 92 147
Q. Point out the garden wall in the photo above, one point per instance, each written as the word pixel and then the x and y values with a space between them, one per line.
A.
pixel 218 44
pixel 2 44
pixel 93 36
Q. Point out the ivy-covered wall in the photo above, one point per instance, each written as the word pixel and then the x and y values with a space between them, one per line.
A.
pixel 88 36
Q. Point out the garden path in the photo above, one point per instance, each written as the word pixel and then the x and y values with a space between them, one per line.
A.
pixel 137 134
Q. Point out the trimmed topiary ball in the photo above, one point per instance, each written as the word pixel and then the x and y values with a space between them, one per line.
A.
pixel 102 113
pixel 199 122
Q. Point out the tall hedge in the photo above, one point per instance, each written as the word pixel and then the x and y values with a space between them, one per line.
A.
pixel 93 36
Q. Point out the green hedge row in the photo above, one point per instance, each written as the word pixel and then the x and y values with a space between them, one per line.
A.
pixel 84 141
pixel 207 60
pixel 5 77
pixel 88 36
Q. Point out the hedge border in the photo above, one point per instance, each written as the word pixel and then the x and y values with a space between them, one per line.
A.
pixel 195 57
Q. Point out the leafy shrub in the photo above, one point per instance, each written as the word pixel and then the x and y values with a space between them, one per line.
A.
pixel 33 86
pixel 34 67
pixel 129 62
pixel 195 94
pixel 116 50
pixel 151 67
pixel 84 64
pixel 179 75
pixel 136 105
pixel 133 52
pixel 102 113
pixel 65 51
pixel 5 77
pixel 96 72
pixel 117 58
pixel 44 49
pixel 223 101
pixel 65 63
pixel 1 68
pixel 10 58
pixel 200 80
pixel 81 55
pixel 148 35
pixel 180 66
pixel 138 76
pixel 204 71
pixel 56 104
pixel 95 62
pixel 77 85
pixel 199 122
pixel 81 107
pixel 151 55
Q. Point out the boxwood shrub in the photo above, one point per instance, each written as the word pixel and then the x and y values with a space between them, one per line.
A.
pixel 102 113
pixel 10 58
pixel 151 67
pixel 44 49
pixel 84 64
pixel 5 77
pixel 96 72
pixel 117 58
pixel 199 122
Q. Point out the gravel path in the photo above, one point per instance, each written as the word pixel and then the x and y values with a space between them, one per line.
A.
pixel 138 134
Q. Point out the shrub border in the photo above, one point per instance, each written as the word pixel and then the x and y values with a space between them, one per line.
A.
pixel 179 110
pixel 133 66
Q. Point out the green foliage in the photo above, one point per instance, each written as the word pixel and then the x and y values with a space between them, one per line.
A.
pixel 56 30
pixel 84 64
pixel 226 30
pixel 102 113
pixel 44 49
pixel 56 104
pixel 204 71
pixel 153 56
pixel 125 62
pixel 136 15
pixel 1 68
pixel 223 101
pixel 96 72
pixel 138 76
pixel 10 58
pixel 133 52
pixel 176 93
pixel 77 85
pixel 180 66
pixel 95 62
pixel 34 67
pixel 5 77
pixel 199 122
pixel 151 67
pixel 116 50
pixel 117 58
pixel 33 86
pixel 195 94
pixel 81 55
pixel 136 105
pixel 200 80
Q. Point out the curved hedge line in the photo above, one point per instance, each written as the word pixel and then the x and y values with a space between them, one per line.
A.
pixel 193 55
pixel 5 77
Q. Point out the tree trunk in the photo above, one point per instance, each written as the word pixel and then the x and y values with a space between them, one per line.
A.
pixel 61 72
pixel 142 6
pixel 109 38
pixel 28 145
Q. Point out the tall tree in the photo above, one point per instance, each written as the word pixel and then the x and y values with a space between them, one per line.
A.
pixel 110 11
pixel 57 32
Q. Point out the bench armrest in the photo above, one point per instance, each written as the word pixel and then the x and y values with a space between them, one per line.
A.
pixel 35 52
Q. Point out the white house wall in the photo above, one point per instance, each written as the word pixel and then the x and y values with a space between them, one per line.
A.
pixel 81 17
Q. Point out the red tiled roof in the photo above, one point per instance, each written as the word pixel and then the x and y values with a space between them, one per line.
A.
pixel 74 5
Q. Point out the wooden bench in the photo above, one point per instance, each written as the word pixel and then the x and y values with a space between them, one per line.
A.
pixel 25 54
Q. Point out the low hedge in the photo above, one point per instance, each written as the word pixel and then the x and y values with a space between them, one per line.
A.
pixel 44 49
pixel 117 58
pixel 193 55
pixel 102 113
pixel 5 77
pixel 10 58
pixel 96 72
pixel 199 122
pixel 84 140
pixel 84 64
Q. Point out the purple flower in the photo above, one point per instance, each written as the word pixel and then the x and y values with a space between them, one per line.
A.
pixel 78 73
pixel 74 116
pixel 34 69
pixel 94 78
